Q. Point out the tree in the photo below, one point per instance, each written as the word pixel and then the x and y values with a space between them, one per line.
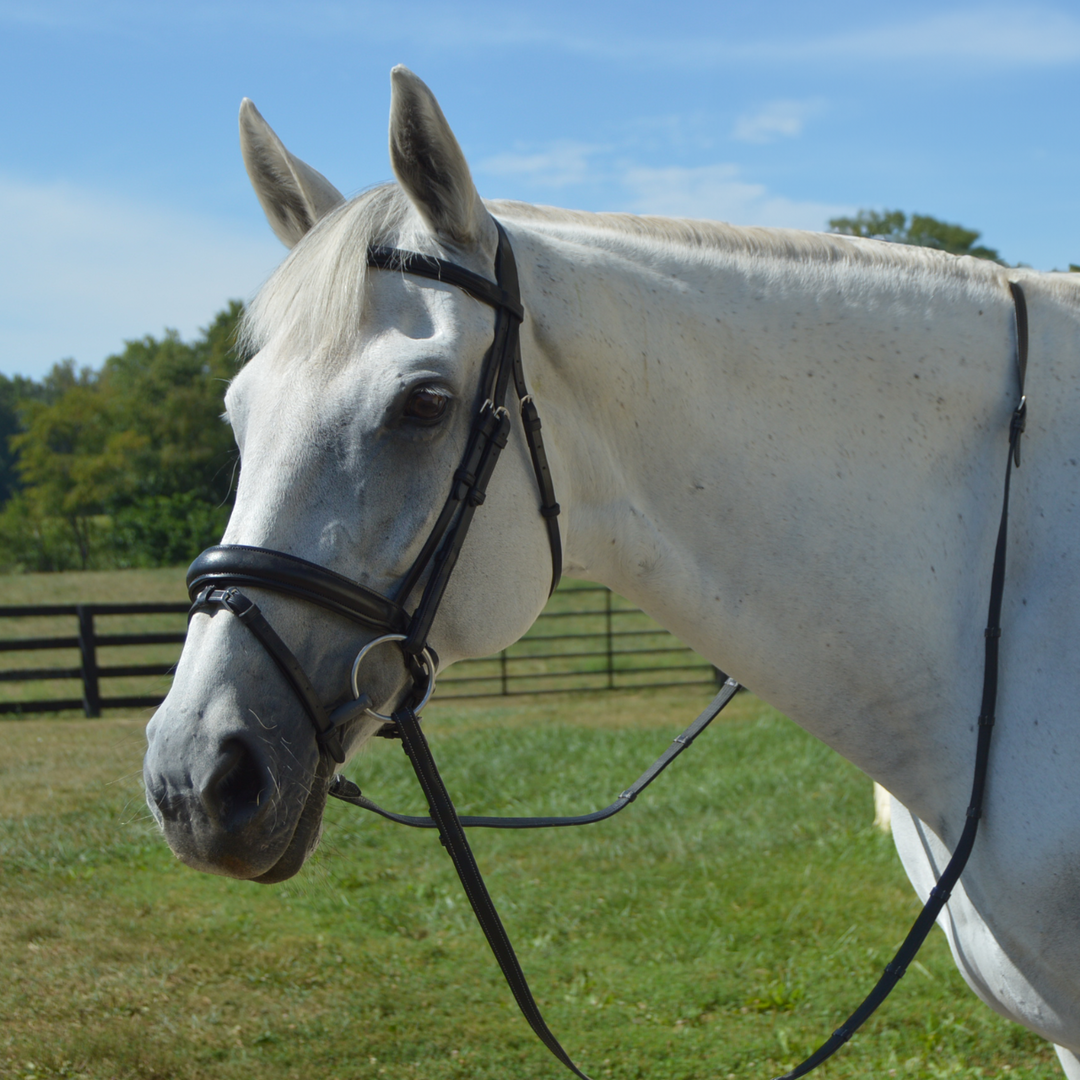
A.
pixel 75 458
pixel 921 231
pixel 15 394
pixel 134 460
pixel 172 394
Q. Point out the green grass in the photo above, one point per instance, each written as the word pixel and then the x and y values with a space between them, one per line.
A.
pixel 95 587
pixel 720 927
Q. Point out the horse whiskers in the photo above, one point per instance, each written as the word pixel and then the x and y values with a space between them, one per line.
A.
pixel 121 779
pixel 261 722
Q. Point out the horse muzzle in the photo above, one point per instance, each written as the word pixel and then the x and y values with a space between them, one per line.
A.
pixel 231 801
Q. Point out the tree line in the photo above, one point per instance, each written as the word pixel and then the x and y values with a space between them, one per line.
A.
pixel 131 465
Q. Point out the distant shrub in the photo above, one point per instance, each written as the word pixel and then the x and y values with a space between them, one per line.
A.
pixel 158 530
pixel 31 542
pixel 164 530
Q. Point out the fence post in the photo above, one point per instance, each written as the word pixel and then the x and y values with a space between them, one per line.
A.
pixel 610 642
pixel 503 677
pixel 88 652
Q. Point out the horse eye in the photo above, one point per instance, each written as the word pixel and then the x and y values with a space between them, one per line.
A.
pixel 426 404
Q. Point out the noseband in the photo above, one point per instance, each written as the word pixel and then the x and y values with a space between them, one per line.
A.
pixel 215 578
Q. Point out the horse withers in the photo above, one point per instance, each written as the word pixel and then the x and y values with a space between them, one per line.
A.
pixel 786 447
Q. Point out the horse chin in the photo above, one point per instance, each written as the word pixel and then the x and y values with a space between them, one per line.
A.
pixel 308 832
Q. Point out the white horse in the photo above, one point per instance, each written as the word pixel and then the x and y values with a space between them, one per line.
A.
pixel 786 447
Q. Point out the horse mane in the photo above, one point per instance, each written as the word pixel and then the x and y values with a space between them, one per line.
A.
pixel 754 242
pixel 311 303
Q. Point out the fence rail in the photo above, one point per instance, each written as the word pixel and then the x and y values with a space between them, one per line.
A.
pixel 586 639
pixel 89 672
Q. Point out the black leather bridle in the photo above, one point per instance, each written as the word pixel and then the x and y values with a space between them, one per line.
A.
pixel 215 578
pixel 214 581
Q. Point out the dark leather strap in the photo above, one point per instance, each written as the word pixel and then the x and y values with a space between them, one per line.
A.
pixel 411 262
pixel 457 846
pixel 941 892
pixel 327 726
pixel 490 436
pixel 1020 416
pixel 345 790
pixel 549 506
pixel 240 564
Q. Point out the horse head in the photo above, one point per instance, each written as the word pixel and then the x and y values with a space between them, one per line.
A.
pixel 351 419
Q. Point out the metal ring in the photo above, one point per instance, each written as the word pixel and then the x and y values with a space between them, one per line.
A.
pixel 425 656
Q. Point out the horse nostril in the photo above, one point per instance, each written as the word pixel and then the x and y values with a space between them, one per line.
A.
pixel 237 791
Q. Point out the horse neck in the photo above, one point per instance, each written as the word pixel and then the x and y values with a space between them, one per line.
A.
pixel 766 453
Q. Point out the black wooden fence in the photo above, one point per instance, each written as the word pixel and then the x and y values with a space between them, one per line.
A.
pixel 87 642
pixel 586 639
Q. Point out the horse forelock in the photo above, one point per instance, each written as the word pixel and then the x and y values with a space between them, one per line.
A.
pixel 312 304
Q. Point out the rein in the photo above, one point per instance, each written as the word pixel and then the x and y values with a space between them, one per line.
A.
pixel 214 581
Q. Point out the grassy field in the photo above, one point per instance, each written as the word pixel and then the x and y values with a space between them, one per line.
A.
pixel 719 928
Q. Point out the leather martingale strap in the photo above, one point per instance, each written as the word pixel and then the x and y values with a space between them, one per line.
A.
pixel 941 892
pixel 344 789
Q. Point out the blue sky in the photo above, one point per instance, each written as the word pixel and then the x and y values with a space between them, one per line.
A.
pixel 124 206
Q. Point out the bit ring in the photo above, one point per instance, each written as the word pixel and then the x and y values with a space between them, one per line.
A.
pixel 425 657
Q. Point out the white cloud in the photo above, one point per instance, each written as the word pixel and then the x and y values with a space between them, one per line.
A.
pixel 83 272
pixel 1006 37
pixel 720 193
pixel 776 120
pixel 559 165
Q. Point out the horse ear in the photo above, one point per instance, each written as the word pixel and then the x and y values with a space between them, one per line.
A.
pixel 430 166
pixel 293 195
